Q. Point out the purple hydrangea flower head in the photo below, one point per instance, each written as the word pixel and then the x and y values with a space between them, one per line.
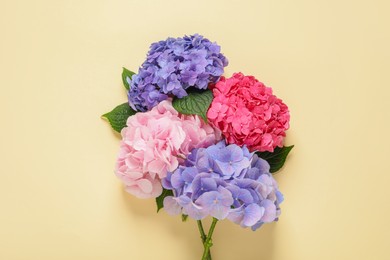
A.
pixel 224 181
pixel 174 65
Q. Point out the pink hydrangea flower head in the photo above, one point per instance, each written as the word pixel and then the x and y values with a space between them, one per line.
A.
pixel 154 143
pixel 247 113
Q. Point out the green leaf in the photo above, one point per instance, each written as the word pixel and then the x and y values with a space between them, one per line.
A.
pixel 118 116
pixel 276 159
pixel 184 217
pixel 126 74
pixel 160 199
pixel 195 103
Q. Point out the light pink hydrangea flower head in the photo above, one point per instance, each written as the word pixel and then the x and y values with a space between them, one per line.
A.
pixel 154 143
pixel 247 113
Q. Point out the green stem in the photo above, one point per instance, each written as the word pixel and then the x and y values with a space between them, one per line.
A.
pixel 208 243
pixel 201 231
pixel 203 236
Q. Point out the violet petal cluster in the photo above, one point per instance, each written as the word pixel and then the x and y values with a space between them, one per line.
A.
pixel 174 65
pixel 224 181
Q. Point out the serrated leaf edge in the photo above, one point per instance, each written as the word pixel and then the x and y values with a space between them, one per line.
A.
pixel 181 105
pixel 286 151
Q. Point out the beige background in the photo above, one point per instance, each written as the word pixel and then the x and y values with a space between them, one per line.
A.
pixel 60 66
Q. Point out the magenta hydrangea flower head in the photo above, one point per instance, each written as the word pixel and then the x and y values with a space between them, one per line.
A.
pixel 224 181
pixel 247 113
pixel 174 65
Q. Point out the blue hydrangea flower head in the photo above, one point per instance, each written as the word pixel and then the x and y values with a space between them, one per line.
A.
pixel 172 67
pixel 224 181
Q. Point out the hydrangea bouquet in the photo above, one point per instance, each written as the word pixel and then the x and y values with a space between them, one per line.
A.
pixel 199 143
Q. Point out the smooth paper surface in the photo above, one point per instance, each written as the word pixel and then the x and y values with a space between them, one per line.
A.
pixel 60 70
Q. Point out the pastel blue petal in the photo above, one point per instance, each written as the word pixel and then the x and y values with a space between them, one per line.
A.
pixel 270 211
pixel 195 211
pixel 166 182
pixel 253 213
pixel 212 202
pixel 257 225
pixel 176 180
pixel 236 215
pixel 223 168
pixel 189 174
pixel 235 153
pixel 171 206
pixel 279 197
